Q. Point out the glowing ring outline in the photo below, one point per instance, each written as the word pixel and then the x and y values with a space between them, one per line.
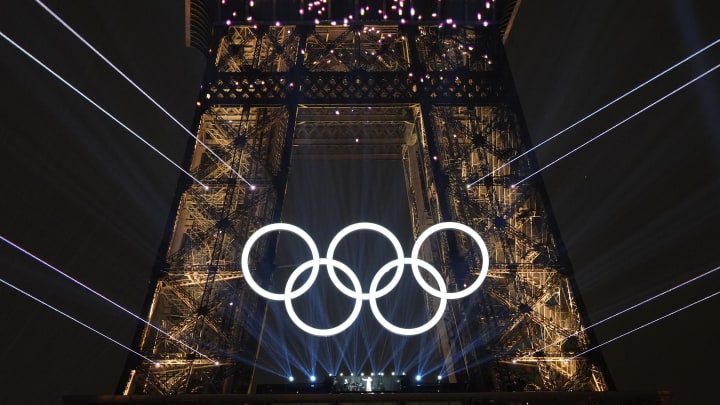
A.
pixel 280 227
pixel 329 331
pixel 373 294
pixel 366 226
pixel 483 270
pixel 440 312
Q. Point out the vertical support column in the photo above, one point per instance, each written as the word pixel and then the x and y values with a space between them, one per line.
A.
pixel 280 181
pixel 436 191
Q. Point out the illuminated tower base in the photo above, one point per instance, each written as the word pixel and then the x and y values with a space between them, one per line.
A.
pixel 429 87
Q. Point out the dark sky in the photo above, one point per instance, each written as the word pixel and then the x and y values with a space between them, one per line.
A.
pixel 637 209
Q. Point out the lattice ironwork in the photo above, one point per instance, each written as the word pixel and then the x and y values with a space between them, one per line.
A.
pixel 355 88
pixel 438 97
pixel 527 304
pixel 202 298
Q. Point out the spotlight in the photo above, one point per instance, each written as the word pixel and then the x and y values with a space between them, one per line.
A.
pixel 439 377
pixel 312 378
pixel 418 378
pixel 291 378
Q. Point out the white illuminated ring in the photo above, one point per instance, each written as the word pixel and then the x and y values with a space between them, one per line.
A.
pixel 334 330
pixel 366 226
pixel 399 263
pixel 394 328
pixel 279 227
pixel 483 270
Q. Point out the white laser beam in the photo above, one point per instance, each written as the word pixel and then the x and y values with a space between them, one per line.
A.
pixel 642 110
pixel 96 105
pixel 647 324
pixel 108 300
pixel 138 88
pixel 684 283
pixel 636 88
pixel 79 322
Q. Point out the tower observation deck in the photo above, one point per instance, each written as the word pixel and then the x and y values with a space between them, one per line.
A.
pixel 421 88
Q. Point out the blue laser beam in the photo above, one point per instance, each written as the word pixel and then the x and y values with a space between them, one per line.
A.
pixel 108 300
pixel 79 322
pixel 596 137
pixel 647 324
pixel 138 88
pixel 636 88
pixel 684 283
pixel 88 99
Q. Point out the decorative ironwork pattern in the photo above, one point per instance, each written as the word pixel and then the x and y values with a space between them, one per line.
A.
pixel 355 88
pixel 440 99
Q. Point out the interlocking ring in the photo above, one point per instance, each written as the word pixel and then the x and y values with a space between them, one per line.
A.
pixel 411 331
pixel 330 331
pixel 371 227
pixel 356 292
pixel 279 227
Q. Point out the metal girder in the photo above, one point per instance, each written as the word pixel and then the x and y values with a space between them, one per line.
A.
pixel 361 132
pixel 440 99
pixel 269 88
pixel 537 307
pixel 371 48
pixel 201 299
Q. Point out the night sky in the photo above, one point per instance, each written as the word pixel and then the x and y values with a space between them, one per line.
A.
pixel 637 209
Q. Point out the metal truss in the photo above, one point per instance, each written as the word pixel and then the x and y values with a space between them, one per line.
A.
pixel 202 299
pixel 367 132
pixel 526 311
pixel 370 48
pixel 439 98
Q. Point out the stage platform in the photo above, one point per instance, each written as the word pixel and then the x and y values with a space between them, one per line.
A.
pixel 387 398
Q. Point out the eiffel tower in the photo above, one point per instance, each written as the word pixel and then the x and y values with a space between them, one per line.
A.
pixel 424 85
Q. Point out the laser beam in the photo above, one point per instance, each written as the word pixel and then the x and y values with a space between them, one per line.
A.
pixel 138 88
pixel 108 300
pixel 89 100
pixel 27 294
pixel 647 324
pixel 642 110
pixel 684 283
pixel 636 88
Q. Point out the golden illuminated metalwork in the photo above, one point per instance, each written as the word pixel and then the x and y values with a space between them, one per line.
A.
pixel 443 102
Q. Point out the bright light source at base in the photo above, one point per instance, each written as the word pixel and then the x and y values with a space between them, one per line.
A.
pixel 418 377
pixel 291 378
pixel 312 378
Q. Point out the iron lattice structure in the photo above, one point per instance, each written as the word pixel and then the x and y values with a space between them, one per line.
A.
pixel 437 94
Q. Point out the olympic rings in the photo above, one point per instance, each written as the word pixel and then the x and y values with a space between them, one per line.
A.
pixel 356 292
